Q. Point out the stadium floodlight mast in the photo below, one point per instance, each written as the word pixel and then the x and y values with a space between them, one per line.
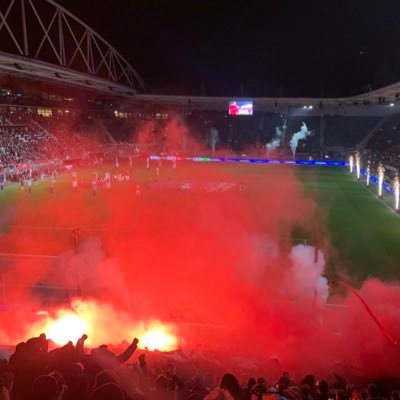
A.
pixel 358 165
pixel 396 188
pixel 368 172
pixel 351 163
pixel 381 175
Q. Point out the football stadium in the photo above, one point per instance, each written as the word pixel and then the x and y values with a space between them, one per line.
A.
pixel 157 245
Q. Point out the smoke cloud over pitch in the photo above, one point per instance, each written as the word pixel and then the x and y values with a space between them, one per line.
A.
pixel 277 138
pixel 219 267
pixel 302 134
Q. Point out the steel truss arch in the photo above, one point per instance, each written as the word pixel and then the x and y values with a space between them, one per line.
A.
pixel 43 31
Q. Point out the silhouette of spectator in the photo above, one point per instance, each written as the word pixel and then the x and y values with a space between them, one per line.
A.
pixel 395 395
pixel 46 387
pixel 259 389
pixel 230 383
pixel 373 392
pixel 248 389
pixel 322 391
pixel 108 391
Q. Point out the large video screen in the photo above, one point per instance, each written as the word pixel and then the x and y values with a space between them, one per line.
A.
pixel 241 107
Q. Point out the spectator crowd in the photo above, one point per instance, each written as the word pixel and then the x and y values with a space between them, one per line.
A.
pixel 29 138
pixel 71 372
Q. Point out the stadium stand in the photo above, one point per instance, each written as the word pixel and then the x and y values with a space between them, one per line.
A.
pixel 37 370
pixel 79 121
pixel 347 131
pixel 385 144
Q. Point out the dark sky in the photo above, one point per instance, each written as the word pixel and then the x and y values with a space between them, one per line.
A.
pixel 293 47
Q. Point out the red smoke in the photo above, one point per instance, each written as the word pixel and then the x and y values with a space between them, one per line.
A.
pixel 212 261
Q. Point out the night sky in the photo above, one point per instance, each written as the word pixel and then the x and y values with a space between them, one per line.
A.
pixel 265 48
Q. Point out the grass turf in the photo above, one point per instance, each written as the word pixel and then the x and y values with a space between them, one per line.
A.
pixel 363 231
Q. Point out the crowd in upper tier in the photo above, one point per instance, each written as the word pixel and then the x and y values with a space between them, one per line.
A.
pixel 71 372
pixel 27 137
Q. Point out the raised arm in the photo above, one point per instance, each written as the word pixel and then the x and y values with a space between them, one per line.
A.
pixel 126 355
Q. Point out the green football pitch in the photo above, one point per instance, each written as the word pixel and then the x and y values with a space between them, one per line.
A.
pixel 363 232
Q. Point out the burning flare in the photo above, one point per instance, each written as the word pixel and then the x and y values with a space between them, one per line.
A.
pixel 67 326
pixel 381 176
pixel 358 165
pixel 396 187
pixel 158 338
pixel 91 318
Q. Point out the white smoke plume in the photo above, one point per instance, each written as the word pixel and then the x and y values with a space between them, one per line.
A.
pixel 300 135
pixel 276 140
pixel 214 138
pixel 307 272
pixel 92 271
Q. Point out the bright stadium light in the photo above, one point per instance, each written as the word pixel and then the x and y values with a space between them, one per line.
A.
pixel 368 173
pixel 391 104
pixel 396 187
pixel 381 174
pixel 310 107
pixel 358 165
pixel 351 163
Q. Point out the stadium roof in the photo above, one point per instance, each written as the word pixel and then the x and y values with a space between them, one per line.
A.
pixel 377 102
pixel 61 48
pixel 41 40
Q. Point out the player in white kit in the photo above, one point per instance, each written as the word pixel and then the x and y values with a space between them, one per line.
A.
pixel 53 182
pixel 2 181
pixel 94 183
pixel 74 182
pixel 108 180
